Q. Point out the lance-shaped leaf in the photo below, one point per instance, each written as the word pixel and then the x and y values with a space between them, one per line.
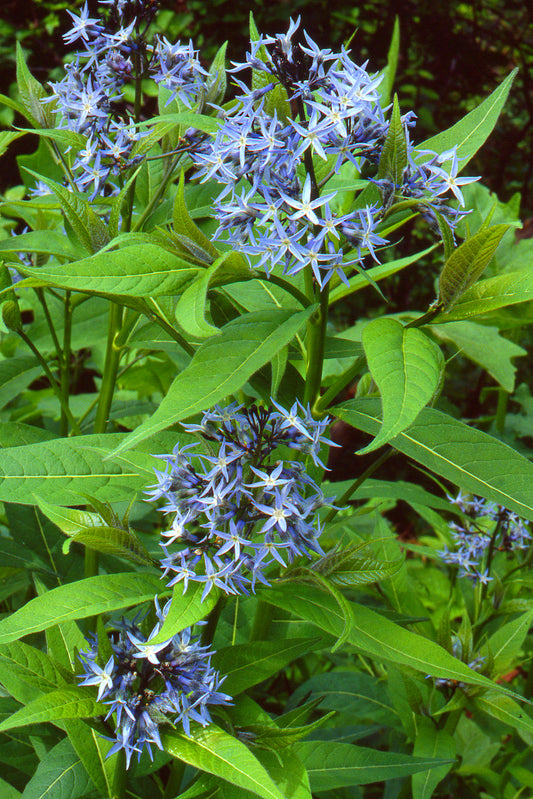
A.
pixel 469 458
pixel 100 594
pixel 137 271
pixel 27 672
pixel 91 530
pixel 393 158
pixel 406 367
pixel 374 634
pixel 338 765
pixel 469 134
pixel 63 703
pixel 213 750
pixel 16 374
pixel 505 709
pixel 8 136
pixel 488 295
pixel 32 95
pixel 42 242
pixel 222 365
pixel 185 225
pixel 467 263
pixel 431 742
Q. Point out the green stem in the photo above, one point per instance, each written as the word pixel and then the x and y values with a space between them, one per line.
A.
pixel 154 317
pixel 360 480
pixel 501 410
pixel 426 318
pixel 208 632
pixel 264 615
pixel 291 289
pixel 119 776
pixel 175 778
pixel 53 382
pixel 112 359
pixel 316 337
pixel 65 366
pixel 169 172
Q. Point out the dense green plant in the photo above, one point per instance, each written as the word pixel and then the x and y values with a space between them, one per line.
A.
pixel 167 285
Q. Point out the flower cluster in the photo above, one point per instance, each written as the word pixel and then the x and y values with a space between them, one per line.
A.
pixel 147 684
pixel 239 509
pixel 310 113
pixel 486 528
pixel 113 53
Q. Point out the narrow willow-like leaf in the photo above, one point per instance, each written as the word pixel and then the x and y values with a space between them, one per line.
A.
pixel 467 263
pixel 504 645
pixel 137 271
pixel 337 765
pixel 213 750
pixel 469 458
pixel 393 158
pixel 435 743
pixel 59 774
pixel 63 703
pixel 100 594
pixel 222 365
pixel 32 94
pixel 92 749
pixel 406 367
pixel 470 133
pixel 389 73
pixel 373 634
pixel 488 295
pixel 505 709
pixel 245 665
pixel 68 138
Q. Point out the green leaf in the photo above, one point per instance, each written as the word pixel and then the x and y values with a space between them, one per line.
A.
pixel 46 242
pixel 8 136
pixel 15 434
pixel 31 94
pixel 354 693
pixel 27 672
pixel 63 703
pixel 373 633
pixel 489 295
pixel 191 308
pixel 504 645
pixel 389 73
pixel 406 366
pixel 434 743
pixel 60 773
pixel 184 224
pixel 245 665
pixel 393 158
pixel 100 594
pixel 213 750
pixel 470 133
pixel 68 138
pixel 504 709
pixel 469 458
pixel 92 749
pixel 90 230
pixel 467 263
pixel 16 374
pixel 185 610
pixel 338 765
pixel 66 468
pixel 222 365
pixel 483 345
pixel 136 271
pixel 91 530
